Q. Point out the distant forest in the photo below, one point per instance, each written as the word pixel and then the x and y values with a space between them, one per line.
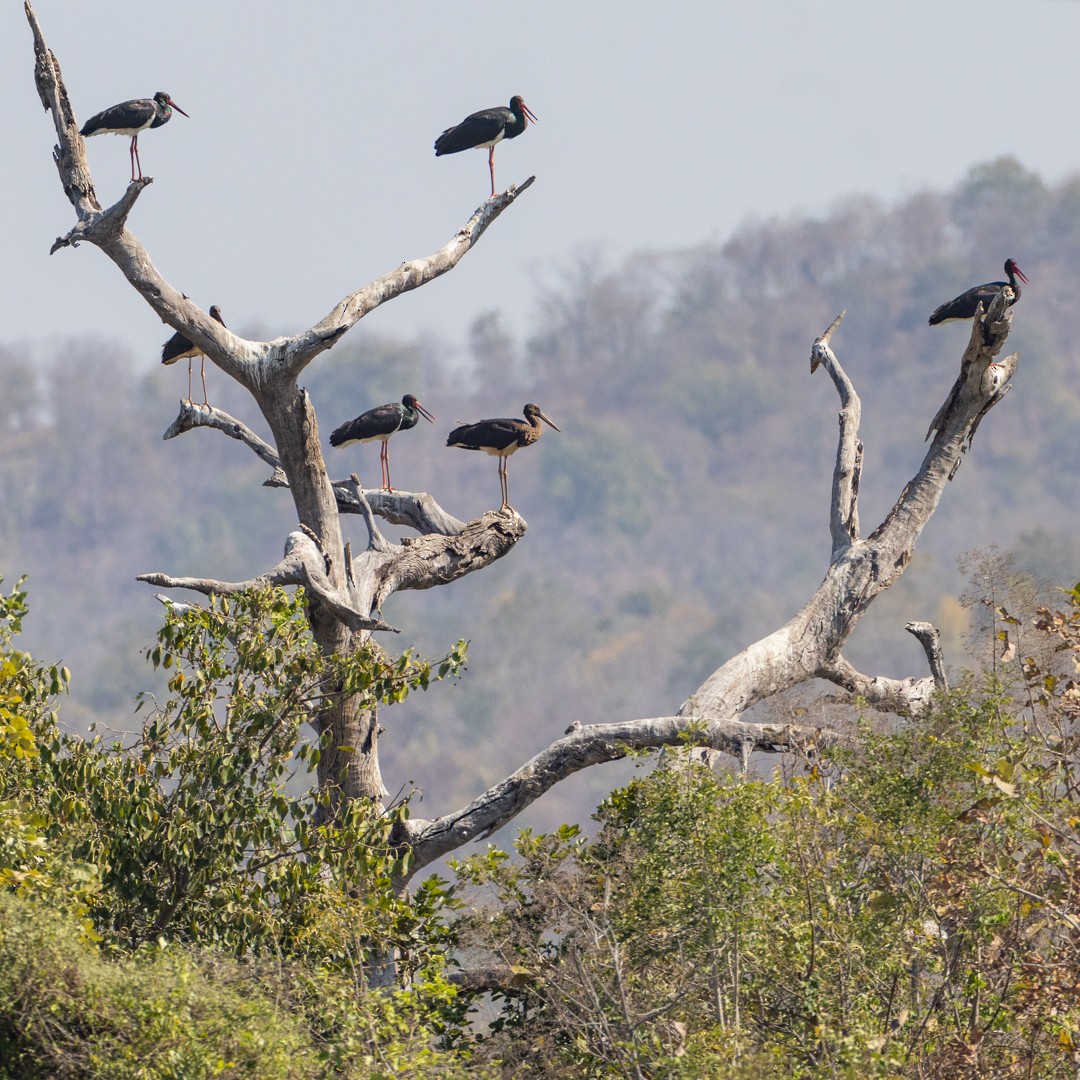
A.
pixel 681 513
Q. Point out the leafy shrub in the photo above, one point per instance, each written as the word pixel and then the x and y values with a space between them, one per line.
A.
pixel 907 908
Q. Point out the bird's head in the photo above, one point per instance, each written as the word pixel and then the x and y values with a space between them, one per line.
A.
pixel 532 412
pixel 517 104
pixel 410 402
pixel 165 101
pixel 1011 268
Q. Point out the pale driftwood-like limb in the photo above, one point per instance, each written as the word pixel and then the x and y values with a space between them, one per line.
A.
pixel 70 154
pixel 414 510
pixel 582 748
pixel 844 516
pixel 301 350
pixel 426 561
pixel 192 416
pixel 303 564
pixel 901 696
pixel 930 639
pixel 376 540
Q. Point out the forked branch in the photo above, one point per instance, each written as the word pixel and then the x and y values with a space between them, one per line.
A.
pixel 303 564
pixel 253 364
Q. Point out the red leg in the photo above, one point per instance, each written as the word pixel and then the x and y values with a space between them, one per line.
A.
pixel 384 461
pixel 491 167
pixel 189 362
pixel 205 400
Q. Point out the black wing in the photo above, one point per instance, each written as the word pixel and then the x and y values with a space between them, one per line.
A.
pixel 477 130
pixel 486 435
pixel 963 307
pixel 127 116
pixel 376 423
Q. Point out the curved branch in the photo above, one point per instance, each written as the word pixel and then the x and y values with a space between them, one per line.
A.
pixel 930 639
pixel 414 510
pixel 297 352
pixel 302 565
pixel 581 748
pixel 903 696
pixel 70 154
pixel 192 416
pixel 376 540
pixel 427 561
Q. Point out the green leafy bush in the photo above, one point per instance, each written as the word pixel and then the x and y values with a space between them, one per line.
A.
pixel 909 906
pixel 178 906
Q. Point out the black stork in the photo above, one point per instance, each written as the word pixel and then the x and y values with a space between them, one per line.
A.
pixel 131 117
pixel 485 129
pixel 501 438
pixel 381 423
pixel 963 307
pixel 179 347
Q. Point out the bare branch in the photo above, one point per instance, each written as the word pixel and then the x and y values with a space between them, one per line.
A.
pixel 844 516
pixel 70 155
pixel 376 540
pixel 906 697
pixel 861 569
pixel 930 639
pixel 296 353
pixel 426 561
pixel 302 565
pixel 582 748
pixel 417 511
pixel 192 416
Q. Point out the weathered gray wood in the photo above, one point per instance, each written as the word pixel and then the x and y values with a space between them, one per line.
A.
pixel 192 416
pixel 302 565
pixel 581 748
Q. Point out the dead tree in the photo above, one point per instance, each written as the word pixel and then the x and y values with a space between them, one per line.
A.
pixel 346 592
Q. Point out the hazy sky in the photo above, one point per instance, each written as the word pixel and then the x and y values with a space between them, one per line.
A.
pixel 307 168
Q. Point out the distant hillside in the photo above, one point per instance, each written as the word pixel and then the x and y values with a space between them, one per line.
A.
pixel 681 513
